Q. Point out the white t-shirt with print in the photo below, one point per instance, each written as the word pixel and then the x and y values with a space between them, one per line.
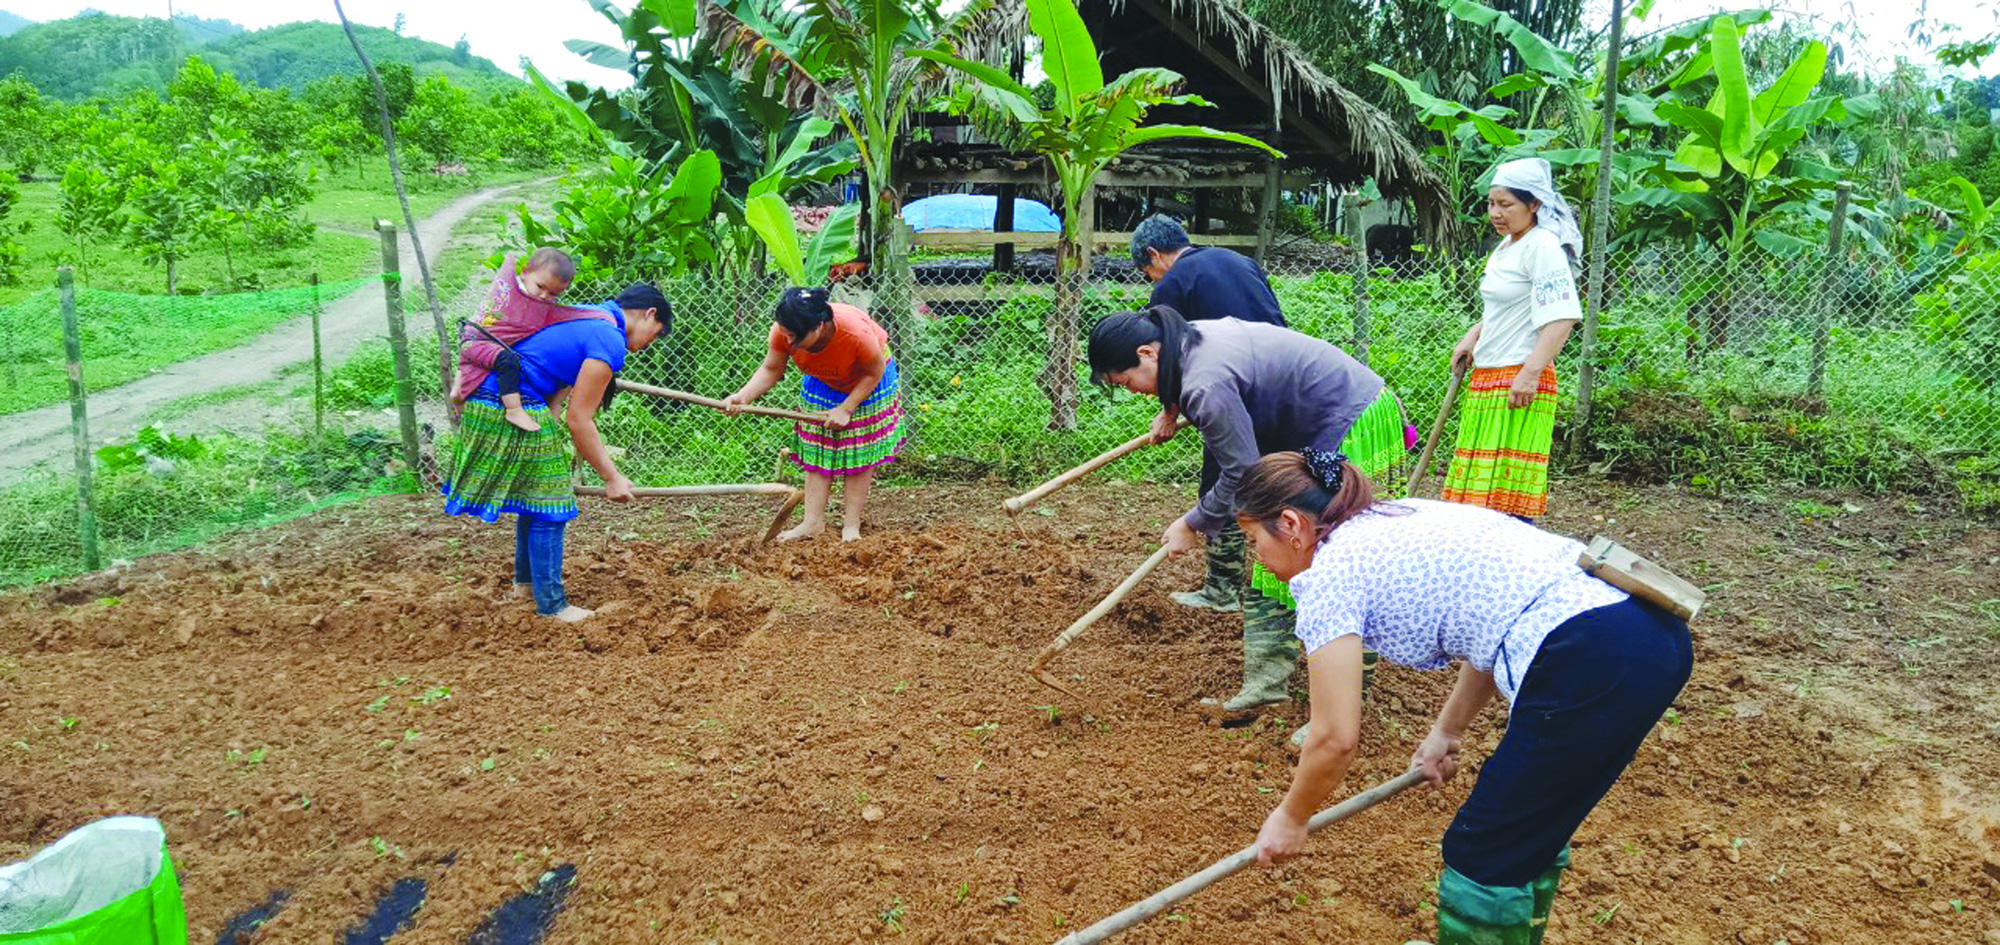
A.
pixel 1527 284
pixel 1426 583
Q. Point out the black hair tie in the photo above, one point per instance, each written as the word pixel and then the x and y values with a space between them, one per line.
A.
pixel 1325 466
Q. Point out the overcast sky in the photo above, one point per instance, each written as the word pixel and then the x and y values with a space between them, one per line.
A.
pixel 505 30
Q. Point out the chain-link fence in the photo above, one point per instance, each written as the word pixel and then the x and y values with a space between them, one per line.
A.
pixel 1827 376
pixel 1761 352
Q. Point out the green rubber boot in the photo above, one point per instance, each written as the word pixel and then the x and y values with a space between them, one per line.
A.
pixel 1544 887
pixel 1270 654
pixel 1473 914
pixel 1223 590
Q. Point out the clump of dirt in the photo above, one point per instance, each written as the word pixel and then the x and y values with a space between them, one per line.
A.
pixel 838 742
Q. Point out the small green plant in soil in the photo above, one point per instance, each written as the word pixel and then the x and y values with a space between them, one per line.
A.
pixel 892 916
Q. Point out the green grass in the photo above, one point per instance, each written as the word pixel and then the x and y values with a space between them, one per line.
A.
pixel 130 327
pixel 344 208
pixel 126 336
pixel 353 201
pixel 114 267
pixel 216 484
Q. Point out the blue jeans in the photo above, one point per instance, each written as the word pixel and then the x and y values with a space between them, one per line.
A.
pixel 538 552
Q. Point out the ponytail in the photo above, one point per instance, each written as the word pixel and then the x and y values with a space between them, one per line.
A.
pixel 1324 487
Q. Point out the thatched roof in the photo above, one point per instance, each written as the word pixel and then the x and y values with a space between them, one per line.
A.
pixel 1245 69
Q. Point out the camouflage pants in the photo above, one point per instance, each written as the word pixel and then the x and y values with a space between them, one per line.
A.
pixel 1271 647
pixel 1226 571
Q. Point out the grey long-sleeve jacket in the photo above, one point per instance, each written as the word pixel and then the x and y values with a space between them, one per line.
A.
pixel 1253 388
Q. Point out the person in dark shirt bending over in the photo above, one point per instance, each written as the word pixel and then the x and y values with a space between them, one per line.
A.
pixel 1203 283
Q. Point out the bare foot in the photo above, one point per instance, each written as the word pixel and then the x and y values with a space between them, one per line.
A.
pixel 521 419
pixel 850 533
pixel 572 614
pixel 802 530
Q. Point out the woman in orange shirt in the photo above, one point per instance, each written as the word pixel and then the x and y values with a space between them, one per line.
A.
pixel 850 374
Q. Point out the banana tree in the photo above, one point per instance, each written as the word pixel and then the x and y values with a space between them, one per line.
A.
pixel 1091 123
pixel 685 98
pixel 851 59
pixel 804 261
pixel 1729 159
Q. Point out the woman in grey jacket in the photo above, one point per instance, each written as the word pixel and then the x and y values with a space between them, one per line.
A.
pixel 1250 388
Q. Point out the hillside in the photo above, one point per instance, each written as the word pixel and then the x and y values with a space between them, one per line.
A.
pixel 99 54
pixel 11 24
pixel 294 54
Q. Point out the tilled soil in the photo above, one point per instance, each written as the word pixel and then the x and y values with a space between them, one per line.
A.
pixel 834 743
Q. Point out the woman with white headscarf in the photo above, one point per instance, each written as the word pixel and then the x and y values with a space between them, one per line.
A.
pixel 1531 305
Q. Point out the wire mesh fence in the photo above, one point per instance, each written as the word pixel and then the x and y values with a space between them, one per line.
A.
pixel 166 470
pixel 1865 355
pixel 1695 368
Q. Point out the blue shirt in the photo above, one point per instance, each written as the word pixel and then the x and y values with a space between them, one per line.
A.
pixel 552 358
pixel 1208 282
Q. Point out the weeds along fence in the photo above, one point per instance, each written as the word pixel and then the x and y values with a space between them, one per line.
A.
pixel 1850 378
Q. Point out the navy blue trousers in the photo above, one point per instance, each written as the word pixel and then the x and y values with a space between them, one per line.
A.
pixel 1595 689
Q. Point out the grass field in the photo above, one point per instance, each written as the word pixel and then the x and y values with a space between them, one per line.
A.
pixel 117 289
pixel 343 246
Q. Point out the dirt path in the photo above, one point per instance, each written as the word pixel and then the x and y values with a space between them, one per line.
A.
pixel 42 435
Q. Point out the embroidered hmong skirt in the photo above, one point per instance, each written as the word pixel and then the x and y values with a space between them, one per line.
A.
pixel 499 468
pixel 872 439
pixel 1378 444
pixel 1502 459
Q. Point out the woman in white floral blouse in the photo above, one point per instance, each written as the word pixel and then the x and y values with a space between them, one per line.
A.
pixel 1586 669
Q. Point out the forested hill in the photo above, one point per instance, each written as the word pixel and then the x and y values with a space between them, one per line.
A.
pixel 99 54
pixel 294 54
pixel 11 24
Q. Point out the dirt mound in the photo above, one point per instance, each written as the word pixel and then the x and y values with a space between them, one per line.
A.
pixel 836 743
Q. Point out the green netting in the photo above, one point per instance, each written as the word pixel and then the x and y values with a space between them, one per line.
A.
pixel 127 336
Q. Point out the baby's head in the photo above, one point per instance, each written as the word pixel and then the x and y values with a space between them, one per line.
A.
pixel 548 273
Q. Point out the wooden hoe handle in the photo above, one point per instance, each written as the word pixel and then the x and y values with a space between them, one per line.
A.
pixel 668 492
pixel 1103 607
pixel 1437 430
pixel 685 397
pixel 1158 902
pixel 1038 493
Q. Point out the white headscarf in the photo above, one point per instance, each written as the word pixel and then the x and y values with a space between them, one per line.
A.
pixel 1532 175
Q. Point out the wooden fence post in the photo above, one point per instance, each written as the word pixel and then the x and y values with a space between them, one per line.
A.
pixel 399 343
pixel 1361 265
pixel 319 368
pixel 79 424
pixel 1816 380
pixel 1600 231
pixel 1003 222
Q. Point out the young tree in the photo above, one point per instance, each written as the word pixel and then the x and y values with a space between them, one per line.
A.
pixel 162 217
pixel 87 209
pixel 399 89
pixel 13 253
pixel 1090 123
pixel 444 122
pixel 24 125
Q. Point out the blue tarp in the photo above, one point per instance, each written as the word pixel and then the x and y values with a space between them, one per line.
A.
pixel 975 212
